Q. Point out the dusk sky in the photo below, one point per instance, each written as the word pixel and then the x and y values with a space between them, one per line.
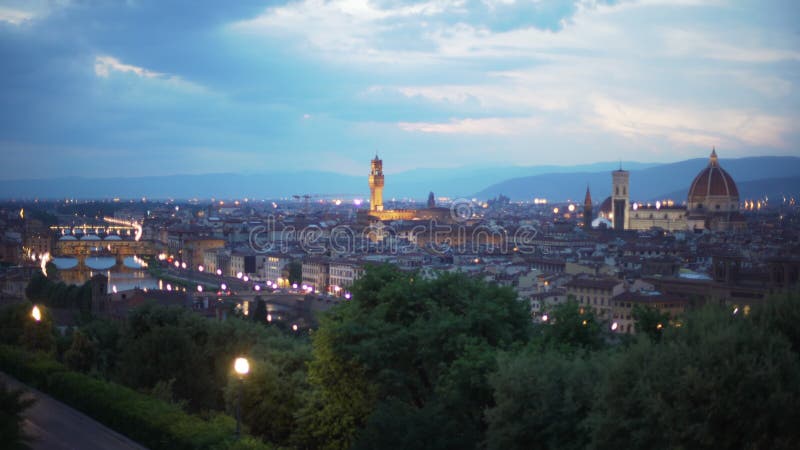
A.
pixel 157 87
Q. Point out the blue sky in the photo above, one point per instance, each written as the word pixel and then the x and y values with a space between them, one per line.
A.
pixel 157 87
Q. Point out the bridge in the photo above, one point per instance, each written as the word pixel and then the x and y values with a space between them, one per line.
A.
pixel 92 245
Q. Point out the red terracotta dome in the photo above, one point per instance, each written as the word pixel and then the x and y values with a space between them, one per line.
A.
pixel 713 181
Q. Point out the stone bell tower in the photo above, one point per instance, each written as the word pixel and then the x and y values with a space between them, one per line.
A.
pixel 620 198
pixel 376 185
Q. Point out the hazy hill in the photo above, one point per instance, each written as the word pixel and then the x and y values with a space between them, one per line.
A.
pixel 648 183
pixel 414 183
pixel 773 188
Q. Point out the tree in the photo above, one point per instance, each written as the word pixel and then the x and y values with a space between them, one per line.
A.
pixel 81 354
pixel 12 405
pixel 295 272
pixel 414 349
pixel 650 321
pixel 718 381
pixel 571 328
pixel 162 343
pixel 259 314
pixel 38 335
pixel 542 401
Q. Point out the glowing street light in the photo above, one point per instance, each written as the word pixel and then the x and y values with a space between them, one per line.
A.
pixel 245 278
pixel 239 275
pixel 199 288
pixel 200 268
pixel 219 271
pixel 242 368
pixel 36 314
pixel 614 326
pixel 223 286
pixel 545 317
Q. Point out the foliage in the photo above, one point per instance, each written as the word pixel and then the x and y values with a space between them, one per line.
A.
pixel 542 400
pixel 407 360
pixel 571 328
pixel 149 421
pixel 295 272
pixel 17 327
pixel 194 355
pixel 81 354
pixel 259 314
pixel 47 291
pixel 12 405
pixel 716 382
pixel 650 321
pixel 160 344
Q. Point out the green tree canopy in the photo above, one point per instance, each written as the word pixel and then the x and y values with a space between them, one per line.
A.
pixel 407 360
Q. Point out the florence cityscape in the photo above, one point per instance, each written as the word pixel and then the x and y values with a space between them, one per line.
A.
pixel 426 224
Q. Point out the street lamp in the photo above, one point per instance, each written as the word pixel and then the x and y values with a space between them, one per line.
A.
pixel 242 368
pixel 36 314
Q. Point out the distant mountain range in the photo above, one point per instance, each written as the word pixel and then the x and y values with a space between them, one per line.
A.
pixel 410 184
pixel 755 177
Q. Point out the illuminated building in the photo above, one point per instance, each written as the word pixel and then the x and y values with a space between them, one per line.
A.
pixel 712 204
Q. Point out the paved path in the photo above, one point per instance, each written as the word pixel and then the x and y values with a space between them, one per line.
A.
pixel 55 426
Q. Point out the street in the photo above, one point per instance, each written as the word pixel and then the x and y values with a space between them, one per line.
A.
pixel 55 426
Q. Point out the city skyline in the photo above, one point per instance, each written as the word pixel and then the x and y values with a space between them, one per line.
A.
pixel 150 89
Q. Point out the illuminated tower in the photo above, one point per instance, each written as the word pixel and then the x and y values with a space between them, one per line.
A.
pixel 620 199
pixel 587 210
pixel 376 185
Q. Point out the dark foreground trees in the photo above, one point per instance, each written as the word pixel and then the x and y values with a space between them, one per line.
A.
pixel 455 363
pixel 12 405
pixel 406 363
pixel 720 380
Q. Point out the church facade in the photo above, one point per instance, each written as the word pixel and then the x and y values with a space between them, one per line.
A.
pixel 712 204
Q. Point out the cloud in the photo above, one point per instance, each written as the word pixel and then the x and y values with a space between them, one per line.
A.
pixel 14 16
pixel 104 65
pixel 485 126
pixel 440 81
pixel 691 124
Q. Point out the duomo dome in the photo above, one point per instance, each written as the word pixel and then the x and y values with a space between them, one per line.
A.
pixel 713 190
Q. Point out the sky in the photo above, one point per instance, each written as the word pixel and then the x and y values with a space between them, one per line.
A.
pixel 139 87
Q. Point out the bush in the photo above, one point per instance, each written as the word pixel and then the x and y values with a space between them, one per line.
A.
pixel 149 421
pixel 12 406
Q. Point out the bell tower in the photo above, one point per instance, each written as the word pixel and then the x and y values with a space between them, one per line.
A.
pixel 620 198
pixel 587 210
pixel 376 185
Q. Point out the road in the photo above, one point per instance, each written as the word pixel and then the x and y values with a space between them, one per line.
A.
pixel 55 426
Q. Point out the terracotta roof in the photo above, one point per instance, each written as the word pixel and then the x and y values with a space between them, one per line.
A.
pixel 713 180
pixel 593 283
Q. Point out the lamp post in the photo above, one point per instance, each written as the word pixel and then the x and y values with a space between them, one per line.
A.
pixel 242 367
pixel 36 314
